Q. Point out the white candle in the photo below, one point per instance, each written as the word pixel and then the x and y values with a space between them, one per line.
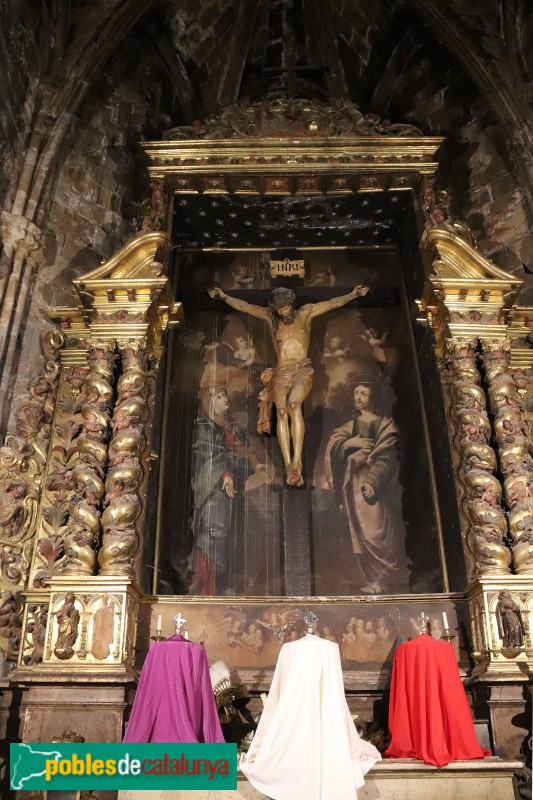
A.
pixel 159 620
pixel 186 634
pixel 445 620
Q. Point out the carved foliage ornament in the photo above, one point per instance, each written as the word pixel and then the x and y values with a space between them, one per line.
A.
pixel 11 614
pixel 291 117
pixel 22 463
pixel 59 482
pixel 34 634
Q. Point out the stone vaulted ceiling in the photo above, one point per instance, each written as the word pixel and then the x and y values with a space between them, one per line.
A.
pixel 376 52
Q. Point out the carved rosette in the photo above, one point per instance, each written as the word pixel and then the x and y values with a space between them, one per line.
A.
pixel 122 502
pixel 87 465
pixel 486 539
pixel 510 427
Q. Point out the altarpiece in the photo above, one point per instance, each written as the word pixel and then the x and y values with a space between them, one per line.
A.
pixel 114 506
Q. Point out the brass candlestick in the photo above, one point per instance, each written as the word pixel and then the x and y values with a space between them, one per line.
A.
pixel 448 635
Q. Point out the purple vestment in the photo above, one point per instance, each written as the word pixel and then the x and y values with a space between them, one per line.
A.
pixel 174 700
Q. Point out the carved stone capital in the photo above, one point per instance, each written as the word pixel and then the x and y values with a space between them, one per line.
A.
pixel 460 353
pixel 21 235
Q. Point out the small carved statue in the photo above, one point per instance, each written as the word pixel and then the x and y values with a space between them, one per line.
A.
pixel 510 623
pixel 68 620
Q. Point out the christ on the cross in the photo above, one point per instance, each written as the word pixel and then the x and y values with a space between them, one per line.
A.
pixel 289 383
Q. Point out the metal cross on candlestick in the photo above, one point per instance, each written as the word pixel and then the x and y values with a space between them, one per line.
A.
pixel 310 619
pixel 423 622
pixel 179 622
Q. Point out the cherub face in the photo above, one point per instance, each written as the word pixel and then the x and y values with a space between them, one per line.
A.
pixel 335 342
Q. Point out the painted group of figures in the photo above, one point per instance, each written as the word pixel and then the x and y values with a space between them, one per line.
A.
pixel 256 639
pixel 251 636
pixel 360 462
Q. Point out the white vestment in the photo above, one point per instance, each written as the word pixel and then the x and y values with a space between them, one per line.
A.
pixel 306 746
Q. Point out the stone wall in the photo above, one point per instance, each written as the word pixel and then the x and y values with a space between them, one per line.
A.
pixel 398 69
pixel 94 204
pixel 25 39
pixel 478 167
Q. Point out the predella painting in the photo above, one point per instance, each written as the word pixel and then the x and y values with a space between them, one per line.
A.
pixel 372 527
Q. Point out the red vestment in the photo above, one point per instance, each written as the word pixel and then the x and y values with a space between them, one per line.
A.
pixel 429 715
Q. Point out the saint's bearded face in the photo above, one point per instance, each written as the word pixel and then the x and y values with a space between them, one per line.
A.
pixel 361 397
pixel 286 314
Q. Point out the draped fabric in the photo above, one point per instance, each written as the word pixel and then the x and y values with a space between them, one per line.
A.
pixel 306 746
pixel 174 700
pixel 429 715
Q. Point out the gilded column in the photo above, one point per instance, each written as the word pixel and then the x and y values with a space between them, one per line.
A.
pixel 122 501
pixel 510 428
pixel 486 539
pixel 77 622
pixel 87 464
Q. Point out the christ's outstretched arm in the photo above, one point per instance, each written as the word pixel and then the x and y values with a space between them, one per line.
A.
pixel 317 309
pixel 239 305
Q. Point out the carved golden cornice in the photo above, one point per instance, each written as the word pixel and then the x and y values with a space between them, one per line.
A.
pixel 520 335
pixel 293 164
pixel 466 295
pixel 128 297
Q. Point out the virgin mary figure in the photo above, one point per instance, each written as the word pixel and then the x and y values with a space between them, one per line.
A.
pixel 362 469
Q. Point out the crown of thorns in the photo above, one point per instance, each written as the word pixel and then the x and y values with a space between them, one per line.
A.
pixel 281 297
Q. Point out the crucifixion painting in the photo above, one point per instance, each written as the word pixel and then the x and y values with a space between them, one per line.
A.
pixel 288 383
